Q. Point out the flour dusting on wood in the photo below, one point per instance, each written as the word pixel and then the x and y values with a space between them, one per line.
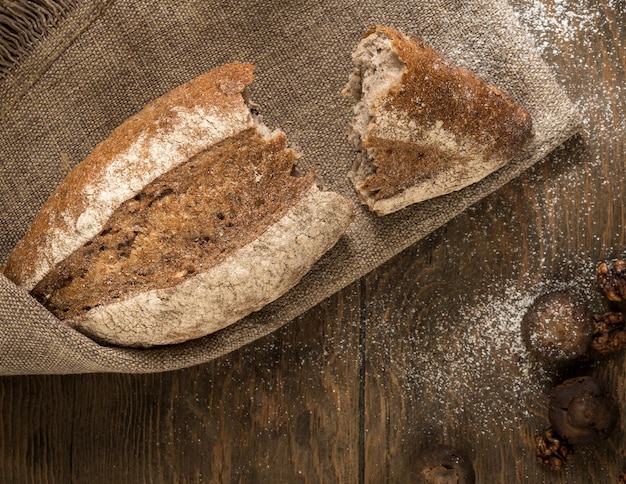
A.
pixel 477 367
pixel 565 20
pixel 560 30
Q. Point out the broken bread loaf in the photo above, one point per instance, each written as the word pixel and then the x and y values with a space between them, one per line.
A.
pixel 423 126
pixel 185 220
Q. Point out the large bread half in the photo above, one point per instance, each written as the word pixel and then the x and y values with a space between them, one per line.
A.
pixel 186 219
pixel 423 126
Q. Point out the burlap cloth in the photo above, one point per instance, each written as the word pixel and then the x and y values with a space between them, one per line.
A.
pixel 73 70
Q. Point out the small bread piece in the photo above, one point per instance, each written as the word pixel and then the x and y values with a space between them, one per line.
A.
pixel 185 220
pixel 423 126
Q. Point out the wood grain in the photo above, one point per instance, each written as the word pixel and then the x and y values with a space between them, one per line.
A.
pixel 278 411
pixel 423 350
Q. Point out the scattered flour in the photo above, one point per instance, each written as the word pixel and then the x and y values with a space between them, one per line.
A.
pixel 570 28
pixel 566 20
pixel 486 375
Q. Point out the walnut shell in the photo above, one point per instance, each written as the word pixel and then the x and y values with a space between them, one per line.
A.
pixel 581 412
pixel 557 328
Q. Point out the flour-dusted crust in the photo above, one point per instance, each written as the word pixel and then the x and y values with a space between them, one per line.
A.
pixel 165 133
pixel 257 274
pixel 185 220
pixel 423 126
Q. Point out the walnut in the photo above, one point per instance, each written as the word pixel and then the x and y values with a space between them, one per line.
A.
pixel 581 412
pixel 609 334
pixel 612 280
pixel 557 328
pixel 442 464
pixel 552 450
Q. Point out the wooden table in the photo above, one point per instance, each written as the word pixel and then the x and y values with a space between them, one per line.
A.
pixel 425 349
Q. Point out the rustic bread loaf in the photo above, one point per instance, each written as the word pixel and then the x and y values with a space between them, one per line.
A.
pixel 423 126
pixel 186 219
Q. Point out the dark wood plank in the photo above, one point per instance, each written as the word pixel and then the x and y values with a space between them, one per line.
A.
pixel 282 410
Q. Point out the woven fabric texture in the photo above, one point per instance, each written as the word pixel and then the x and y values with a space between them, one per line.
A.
pixel 102 61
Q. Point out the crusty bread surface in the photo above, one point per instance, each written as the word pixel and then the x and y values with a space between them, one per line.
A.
pixel 247 280
pixel 423 126
pixel 186 219
pixel 165 133
pixel 182 223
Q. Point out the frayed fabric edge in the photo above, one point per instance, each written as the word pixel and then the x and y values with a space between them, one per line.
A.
pixel 23 24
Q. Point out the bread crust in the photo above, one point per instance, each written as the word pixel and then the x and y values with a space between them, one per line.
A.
pixel 185 221
pixel 203 121
pixel 254 276
pixel 165 133
pixel 437 129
